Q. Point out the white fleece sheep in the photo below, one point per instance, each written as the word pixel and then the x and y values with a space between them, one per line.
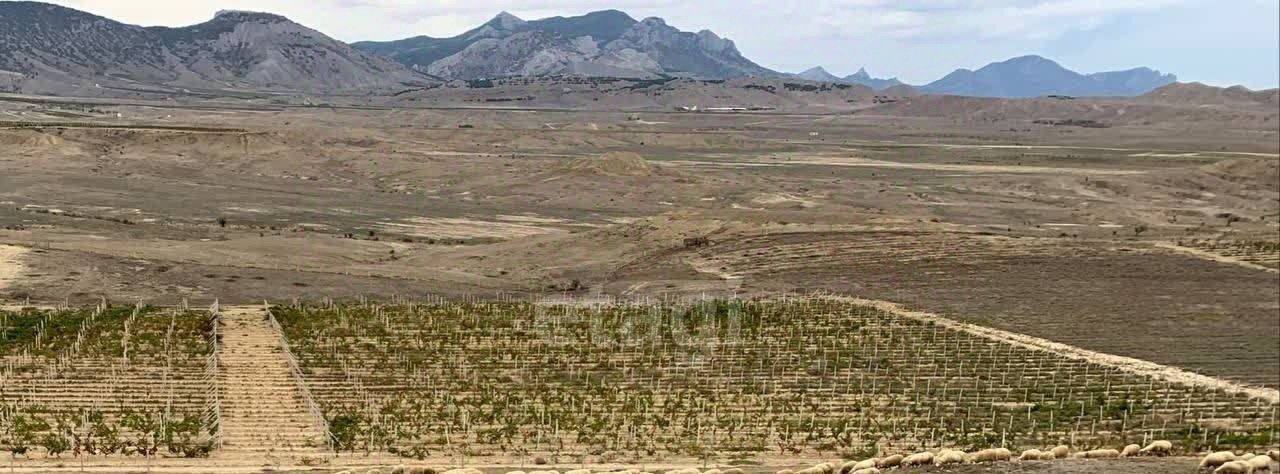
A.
pixel 464 470
pixel 1130 450
pixel 948 457
pixel 1157 448
pixel 918 459
pixel 869 470
pixel 890 462
pixel 860 465
pixel 582 471
pixel 1260 463
pixel 1217 459
pixel 1031 455
pixel 847 467
pixel 1060 452
pixel 1234 467
pixel 1101 454
pixel 991 455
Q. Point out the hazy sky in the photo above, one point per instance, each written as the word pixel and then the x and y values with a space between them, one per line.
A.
pixel 1220 42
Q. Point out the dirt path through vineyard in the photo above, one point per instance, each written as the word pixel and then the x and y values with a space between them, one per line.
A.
pixel 264 411
pixel 10 264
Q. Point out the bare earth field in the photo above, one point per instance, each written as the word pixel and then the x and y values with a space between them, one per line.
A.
pixel 1154 239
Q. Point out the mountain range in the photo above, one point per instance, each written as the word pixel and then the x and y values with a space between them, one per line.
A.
pixel 1020 77
pixel 50 49
pixel 603 43
pixel 820 74
pixel 1035 76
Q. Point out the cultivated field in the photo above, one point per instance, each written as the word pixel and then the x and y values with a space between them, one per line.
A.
pixel 107 381
pixel 731 379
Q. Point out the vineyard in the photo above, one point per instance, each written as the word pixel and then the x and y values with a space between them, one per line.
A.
pixel 108 380
pixel 1258 252
pixel 722 379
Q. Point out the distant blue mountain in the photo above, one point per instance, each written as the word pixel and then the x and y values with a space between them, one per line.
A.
pixel 1035 76
pixel 819 74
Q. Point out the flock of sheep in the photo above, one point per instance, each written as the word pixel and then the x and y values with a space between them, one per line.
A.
pixel 1227 462
pixel 1224 462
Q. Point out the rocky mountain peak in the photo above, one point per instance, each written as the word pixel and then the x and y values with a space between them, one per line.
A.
pixel 506 21
pixel 818 74
pixel 248 16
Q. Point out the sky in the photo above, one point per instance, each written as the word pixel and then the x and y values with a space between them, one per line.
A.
pixel 1218 42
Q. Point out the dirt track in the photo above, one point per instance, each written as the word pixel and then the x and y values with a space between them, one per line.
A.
pixel 11 266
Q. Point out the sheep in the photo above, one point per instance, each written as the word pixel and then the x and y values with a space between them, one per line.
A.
pixel 343 472
pixel 400 469
pixel 1260 463
pixel 516 472
pixel 918 459
pixel 687 470
pixel 732 470
pixel 847 467
pixel 465 470
pixel 890 462
pixel 818 469
pixel 853 466
pixel 373 470
pixel 712 471
pixel 1217 459
pixel 869 470
pixel 785 471
pixel 1157 448
pixel 1130 450
pixel 1032 455
pixel 947 457
pixel 991 455
pixel 1060 452
pixel 1274 454
pixel 1234 467
pixel 1101 454
pixel 583 471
